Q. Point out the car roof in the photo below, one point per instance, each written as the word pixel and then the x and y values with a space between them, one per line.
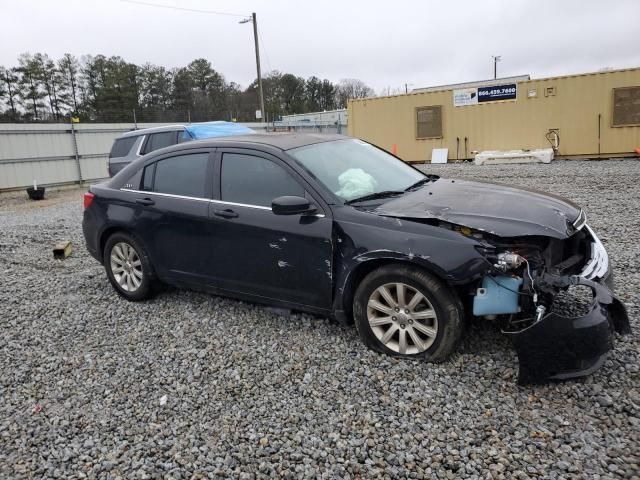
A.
pixel 283 141
pixel 144 131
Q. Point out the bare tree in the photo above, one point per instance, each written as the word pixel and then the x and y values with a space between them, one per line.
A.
pixel 388 91
pixel 349 88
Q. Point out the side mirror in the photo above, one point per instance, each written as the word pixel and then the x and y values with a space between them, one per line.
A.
pixel 290 205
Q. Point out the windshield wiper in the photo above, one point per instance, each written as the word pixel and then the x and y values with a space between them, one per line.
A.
pixel 374 196
pixel 419 183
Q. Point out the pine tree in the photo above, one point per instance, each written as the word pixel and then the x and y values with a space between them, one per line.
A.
pixel 69 70
pixel 30 90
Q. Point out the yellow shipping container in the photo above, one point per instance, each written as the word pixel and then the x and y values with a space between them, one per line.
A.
pixel 579 107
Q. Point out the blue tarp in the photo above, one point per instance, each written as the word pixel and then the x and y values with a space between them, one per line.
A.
pixel 216 129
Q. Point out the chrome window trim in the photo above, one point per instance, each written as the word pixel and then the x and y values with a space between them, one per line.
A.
pixel 200 199
pixel 140 145
pixel 170 195
pixel 259 207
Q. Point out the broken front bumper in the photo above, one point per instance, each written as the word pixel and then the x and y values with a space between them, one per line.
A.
pixel 558 347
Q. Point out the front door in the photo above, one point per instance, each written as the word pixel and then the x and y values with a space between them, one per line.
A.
pixel 282 257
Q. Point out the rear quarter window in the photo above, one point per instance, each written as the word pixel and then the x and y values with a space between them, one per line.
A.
pixel 122 146
pixel 155 141
pixel 184 136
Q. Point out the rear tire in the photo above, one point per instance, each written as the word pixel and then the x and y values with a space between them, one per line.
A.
pixel 403 311
pixel 128 267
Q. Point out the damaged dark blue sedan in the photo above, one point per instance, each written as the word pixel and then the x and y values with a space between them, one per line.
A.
pixel 338 227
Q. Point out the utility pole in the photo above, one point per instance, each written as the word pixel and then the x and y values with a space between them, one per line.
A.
pixel 496 59
pixel 255 38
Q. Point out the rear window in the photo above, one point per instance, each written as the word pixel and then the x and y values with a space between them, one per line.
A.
pixel 184 175
pixel 122 147
pixel 159 140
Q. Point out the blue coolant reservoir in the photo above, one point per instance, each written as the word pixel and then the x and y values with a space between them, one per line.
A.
pixel 497 296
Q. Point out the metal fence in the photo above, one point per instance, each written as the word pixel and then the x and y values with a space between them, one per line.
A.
pixel 54 153
pixel 58 154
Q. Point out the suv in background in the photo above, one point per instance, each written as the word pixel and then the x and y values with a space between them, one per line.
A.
pixel 131 145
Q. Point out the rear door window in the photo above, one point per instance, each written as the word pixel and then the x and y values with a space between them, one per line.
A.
pixel 255 180
pixel 184 175
pixel 122 146
pixel 159 140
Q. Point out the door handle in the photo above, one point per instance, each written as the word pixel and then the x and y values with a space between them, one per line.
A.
pixel 228 213
pixel 145 201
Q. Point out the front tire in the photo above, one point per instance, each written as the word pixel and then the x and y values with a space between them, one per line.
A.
pixel 128 267
pixel 403 311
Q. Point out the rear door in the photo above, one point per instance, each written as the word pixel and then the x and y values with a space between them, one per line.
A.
pixel 173 214
pixel 281 257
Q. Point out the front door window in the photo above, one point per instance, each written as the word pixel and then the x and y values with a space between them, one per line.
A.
pixel 251 180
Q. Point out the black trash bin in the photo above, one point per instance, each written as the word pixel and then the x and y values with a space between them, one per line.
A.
pixel 36 193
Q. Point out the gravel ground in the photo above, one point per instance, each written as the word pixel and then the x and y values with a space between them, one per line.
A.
pixel 195 386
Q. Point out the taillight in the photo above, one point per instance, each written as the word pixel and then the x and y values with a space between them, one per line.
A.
pixel 88 199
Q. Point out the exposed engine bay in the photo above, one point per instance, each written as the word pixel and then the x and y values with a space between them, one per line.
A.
pixel 527 261
pixel 524 277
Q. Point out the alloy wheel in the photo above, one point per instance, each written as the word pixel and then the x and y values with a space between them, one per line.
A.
pixel 126 267
pixel 402 318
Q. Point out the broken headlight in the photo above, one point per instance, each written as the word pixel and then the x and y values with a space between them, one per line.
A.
pixel 597 266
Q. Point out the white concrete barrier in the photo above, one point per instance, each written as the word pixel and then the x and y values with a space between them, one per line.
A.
pixel 497 157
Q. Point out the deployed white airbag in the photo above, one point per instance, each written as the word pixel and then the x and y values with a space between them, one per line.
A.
pixel 354 183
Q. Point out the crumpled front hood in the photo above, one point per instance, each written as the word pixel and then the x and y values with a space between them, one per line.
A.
pixel 494 208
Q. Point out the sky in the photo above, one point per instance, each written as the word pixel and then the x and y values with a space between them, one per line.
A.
pixel 387 44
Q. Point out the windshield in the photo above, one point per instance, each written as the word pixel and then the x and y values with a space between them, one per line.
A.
pixel 352 168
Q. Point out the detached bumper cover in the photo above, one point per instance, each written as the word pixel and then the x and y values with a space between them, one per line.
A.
pixel 559 347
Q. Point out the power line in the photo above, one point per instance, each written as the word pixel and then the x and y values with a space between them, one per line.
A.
pixel 264 49
pixel 173 7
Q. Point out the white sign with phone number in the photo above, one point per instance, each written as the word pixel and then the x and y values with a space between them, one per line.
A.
pixel 475 95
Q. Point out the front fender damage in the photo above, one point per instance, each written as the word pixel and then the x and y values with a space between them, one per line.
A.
pixel 558 347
